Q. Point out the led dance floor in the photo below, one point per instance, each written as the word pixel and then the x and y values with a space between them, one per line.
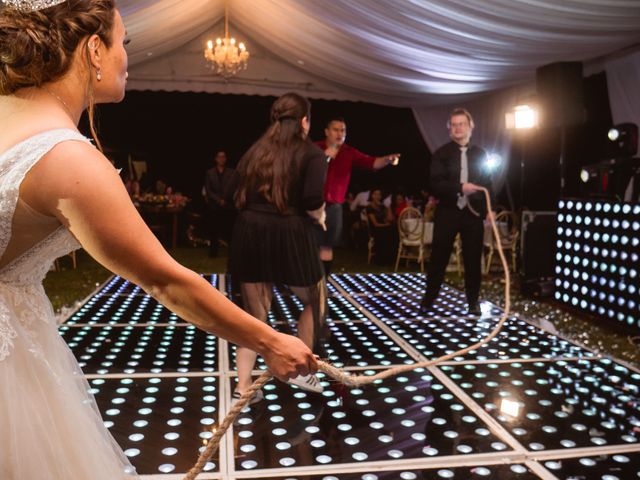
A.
pixel 529 405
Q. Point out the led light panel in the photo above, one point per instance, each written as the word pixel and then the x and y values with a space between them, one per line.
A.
pixel 160 423
pixel 132 308
pixel 488 472
pixel 517 339
pixel 163 417
pixel 352 345
pixel 620 466
pixel 360 283
pixel 562 404
pixel 409 416
pixel 148 349
pixel 597 266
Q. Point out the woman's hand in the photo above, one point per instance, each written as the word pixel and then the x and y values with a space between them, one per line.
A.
pixel 288 357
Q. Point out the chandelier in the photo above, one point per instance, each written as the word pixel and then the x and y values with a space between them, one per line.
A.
pixel 225 57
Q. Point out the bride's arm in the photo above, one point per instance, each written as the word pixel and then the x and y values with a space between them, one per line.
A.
pixel 78 185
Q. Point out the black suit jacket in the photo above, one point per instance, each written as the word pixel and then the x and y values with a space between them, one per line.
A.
pixel 444 179
pixel 216 186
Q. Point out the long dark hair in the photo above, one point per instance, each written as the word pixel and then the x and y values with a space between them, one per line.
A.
pixel 272 163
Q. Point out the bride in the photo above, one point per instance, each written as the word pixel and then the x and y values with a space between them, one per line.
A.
pixel 58 192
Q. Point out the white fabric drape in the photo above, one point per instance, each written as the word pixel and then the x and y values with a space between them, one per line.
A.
pixel 393 52
pixel 623 82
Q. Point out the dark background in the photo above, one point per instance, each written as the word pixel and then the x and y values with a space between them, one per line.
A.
pixel 178 134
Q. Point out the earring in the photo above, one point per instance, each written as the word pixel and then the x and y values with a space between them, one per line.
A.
pixel 99 75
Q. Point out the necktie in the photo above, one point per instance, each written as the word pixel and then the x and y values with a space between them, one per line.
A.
pixel 464 176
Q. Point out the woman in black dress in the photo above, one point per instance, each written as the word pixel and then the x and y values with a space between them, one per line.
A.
pixel 280 197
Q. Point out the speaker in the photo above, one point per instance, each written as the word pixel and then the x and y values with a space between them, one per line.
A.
pixel 560 94
pixel 538 245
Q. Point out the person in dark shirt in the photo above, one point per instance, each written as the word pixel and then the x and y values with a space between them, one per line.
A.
pixel 342 158
pixel 382 227
pixel 280 198
pixel 458 173
pixel 219 211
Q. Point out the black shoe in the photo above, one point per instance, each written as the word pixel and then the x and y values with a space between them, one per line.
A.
pixel 426 305
pixel 474 309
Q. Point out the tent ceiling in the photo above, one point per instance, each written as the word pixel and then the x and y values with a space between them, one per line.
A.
pixel 400 52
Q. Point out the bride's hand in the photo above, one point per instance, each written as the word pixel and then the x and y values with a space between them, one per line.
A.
pixel 288 357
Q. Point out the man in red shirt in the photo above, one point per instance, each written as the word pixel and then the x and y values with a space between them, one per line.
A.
pixel 342 158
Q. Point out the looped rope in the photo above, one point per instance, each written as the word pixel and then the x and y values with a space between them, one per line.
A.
pixel 357 380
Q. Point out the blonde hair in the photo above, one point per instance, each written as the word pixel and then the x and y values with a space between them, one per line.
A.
pixel 460 111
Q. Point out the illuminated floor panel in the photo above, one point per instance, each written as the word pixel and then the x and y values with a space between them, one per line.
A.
pixel 405 305
pixel 359 283
pixel 411 416
pixel 621 466
pixel 360 344
pixel 145 349
pixel 160 423
pixel 557 405
pixel 132 308
pixel 162 385
pixel 488 472
pixel 516 340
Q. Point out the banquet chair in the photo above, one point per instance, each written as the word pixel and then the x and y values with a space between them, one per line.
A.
pixel 509 234
pixel 411 232
pixel 370 242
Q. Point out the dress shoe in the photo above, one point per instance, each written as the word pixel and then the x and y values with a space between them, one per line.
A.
pixel 425 306
pixel 474 309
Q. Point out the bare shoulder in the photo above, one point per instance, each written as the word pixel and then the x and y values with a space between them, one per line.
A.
pixel 70 169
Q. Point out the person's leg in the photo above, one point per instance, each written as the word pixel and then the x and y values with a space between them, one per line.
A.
pixel 309 327
pixel 445 228
pixel 472 232
pixel 305 320
pixel 256 300
pixel 312 318
pixel 331 236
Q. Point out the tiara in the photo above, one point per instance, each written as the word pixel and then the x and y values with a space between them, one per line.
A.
pixel 32 5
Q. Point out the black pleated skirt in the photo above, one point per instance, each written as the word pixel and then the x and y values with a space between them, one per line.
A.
pixel 267 246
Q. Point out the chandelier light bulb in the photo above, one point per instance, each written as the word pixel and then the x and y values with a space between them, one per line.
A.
pixel 226 58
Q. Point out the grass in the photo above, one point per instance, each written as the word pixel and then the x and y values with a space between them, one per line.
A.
pixel 68 287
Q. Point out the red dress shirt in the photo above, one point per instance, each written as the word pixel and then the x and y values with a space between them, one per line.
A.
pixel 339 171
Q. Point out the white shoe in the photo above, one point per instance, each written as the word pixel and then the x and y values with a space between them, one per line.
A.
pixel 308 382
pixel 235 398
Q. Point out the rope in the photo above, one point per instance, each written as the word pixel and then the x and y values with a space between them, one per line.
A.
pixel 357 380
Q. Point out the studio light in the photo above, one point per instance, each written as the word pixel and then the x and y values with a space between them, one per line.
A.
pixel 493 161
pixel 522 117
pixel 613 134
pixel 624 140
pixel 585 175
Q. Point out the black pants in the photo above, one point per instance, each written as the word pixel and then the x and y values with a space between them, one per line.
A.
pixel 447 223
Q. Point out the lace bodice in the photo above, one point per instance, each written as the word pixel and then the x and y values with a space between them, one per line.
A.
pixel 31 266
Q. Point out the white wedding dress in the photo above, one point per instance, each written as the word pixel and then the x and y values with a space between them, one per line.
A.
pixel 50 426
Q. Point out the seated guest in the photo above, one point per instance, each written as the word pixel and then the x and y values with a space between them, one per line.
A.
pixel 382 228
pixel 398 204
pixel 429 209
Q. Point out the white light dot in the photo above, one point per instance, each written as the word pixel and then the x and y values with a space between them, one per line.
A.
pixel 166 468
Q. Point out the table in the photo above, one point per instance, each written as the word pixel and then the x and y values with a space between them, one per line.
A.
pixel 171 211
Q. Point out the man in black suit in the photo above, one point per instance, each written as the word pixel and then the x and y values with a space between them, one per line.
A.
pixel 220 211
pixel 458 172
